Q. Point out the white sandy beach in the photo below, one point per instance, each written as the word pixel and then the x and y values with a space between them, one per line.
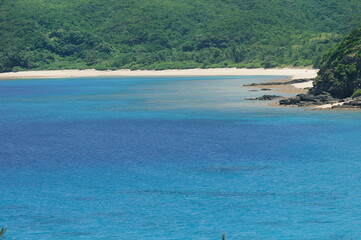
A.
pixel 293 73
pixel 303 85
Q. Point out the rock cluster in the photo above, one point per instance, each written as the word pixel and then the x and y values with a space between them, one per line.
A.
pixel 265 98
pixel 356 103
pixel 350 103
pixel 305 100
pixel 302 80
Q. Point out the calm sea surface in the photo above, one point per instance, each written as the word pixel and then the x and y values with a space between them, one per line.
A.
pixel 173 158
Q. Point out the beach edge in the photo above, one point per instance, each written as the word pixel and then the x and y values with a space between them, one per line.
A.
pixel 293 73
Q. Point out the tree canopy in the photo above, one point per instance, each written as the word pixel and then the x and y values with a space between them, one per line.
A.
pixel 164 34
pixel 340 72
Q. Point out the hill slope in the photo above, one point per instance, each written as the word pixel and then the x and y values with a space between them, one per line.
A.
pixel 340 72
pixel 159 34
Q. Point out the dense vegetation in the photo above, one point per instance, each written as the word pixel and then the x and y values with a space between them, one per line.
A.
pixel 160 34
pixel 340 72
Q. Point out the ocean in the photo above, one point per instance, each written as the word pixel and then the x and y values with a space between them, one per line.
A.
pixel 173 158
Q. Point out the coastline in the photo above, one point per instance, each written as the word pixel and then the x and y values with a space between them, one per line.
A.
pixel 293 73
pixel 304 85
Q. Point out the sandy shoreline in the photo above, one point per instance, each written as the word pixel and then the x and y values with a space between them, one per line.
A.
pixel 293 73
pixel 308 84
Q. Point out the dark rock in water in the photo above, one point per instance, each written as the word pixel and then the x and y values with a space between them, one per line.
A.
pixel 303 100
pixel 253 90
pixel 280 83
pixel 265 89
pixel 355 103
pixel 265 98
pixel 302 80
pixel 309 100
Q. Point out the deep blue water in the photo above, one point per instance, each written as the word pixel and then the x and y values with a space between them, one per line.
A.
pixel 173 158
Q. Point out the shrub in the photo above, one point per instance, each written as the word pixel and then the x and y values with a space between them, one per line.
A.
pixel 17 69
pixel 100 67
pixel 356 93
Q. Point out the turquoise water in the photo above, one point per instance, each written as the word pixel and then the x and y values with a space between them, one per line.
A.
pixel 173 158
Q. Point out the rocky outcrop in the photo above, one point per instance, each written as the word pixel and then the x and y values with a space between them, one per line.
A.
pixel 265 98
pixel 339 77
pixel 353 104
pixel 305 100
pixel 349 104
pixel 340 70
pixel 302 80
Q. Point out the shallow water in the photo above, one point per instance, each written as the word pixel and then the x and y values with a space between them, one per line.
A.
pixel 173 158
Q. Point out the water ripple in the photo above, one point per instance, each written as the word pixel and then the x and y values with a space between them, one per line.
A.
pixel 203 193
pixel 235 169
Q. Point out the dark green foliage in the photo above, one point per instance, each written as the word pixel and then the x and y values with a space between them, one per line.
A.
pixel 356 93
pixel 162 34
pixel 340 72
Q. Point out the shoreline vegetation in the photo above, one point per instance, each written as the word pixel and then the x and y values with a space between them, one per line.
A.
pixel 338 83
pixel 159 35
pixel 306 73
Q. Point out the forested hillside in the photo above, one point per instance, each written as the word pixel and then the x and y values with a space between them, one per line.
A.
pixel 160 34
pixel 340 72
